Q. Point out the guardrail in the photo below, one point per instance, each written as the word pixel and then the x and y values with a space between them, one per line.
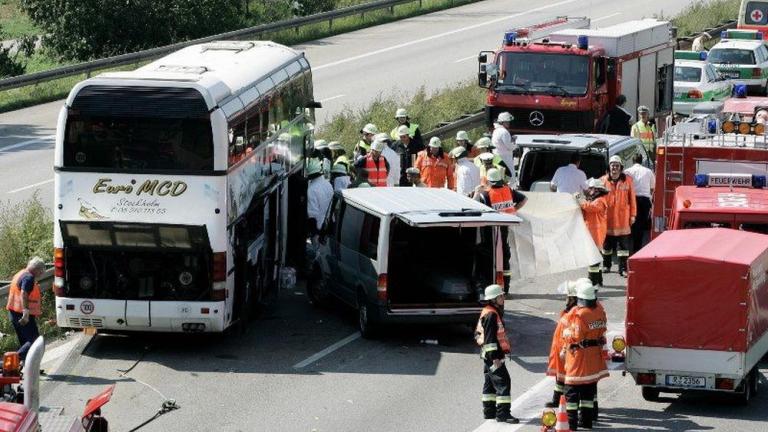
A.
pixel 686 42
pixel 45 282
pixel 258 31
pixel 447 129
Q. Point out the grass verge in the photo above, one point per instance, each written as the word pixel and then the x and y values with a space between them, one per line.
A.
pixel 702 14
pixel 56 89
pixel 26 231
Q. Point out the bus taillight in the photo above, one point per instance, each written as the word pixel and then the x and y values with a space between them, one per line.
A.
pixel 219 287
pixel 58 272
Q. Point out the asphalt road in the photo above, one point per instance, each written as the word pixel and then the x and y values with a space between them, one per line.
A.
pixel 349 70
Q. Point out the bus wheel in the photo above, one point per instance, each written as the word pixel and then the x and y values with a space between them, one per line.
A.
pixel 317 289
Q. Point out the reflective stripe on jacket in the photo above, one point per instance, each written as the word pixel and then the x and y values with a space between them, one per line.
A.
pixel 556 365
pixel 15 293
pixel 501 199
pixel 621 204
pixel 377 170
pixel 492 343
pixel 646 132
pixel 435 172
pixel 584 364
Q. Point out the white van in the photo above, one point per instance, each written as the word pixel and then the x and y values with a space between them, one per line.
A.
pixel 408 255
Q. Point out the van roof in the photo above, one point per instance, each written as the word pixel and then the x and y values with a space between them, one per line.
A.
pixel 570 141
pixel 424 202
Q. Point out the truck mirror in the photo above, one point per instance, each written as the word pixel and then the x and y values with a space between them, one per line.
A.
pixel 482 79
pixel 482 58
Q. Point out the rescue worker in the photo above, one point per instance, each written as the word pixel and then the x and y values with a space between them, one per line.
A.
pixel 323 155
pixel 502 198
pixel 491 336
pixel 504 142
pixel 338 154
pixel 364 145
pixel 462 140
pixel 617 120
pixel 594 207
pixel 434 165
pixel 583 341
pixel 319 196
pixel 556 366
pixel 467 174
pixel 408 150
pixel 414 177
pixel 340 178
pixel 484 162
pixel 24 304
pixel 393 159
pixel 644 129
pixel 481 146
pixel 401 115
pixel 375 164
pixel 644 180
pixel 570 178
pixel 622 210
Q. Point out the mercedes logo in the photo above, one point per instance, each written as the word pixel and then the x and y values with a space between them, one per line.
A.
pixel 536 118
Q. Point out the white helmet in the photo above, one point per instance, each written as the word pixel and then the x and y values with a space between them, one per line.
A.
pixel 435 142
pixel 494 175
pixel 339 169
pixel 413 171
pixel 403 131
pixel 378 146
pixel 401 112
pixel 642 109
pixel 505 117
pixel 483 143
pixel 596 183
pixel 616 159
pixel 335 145
pixel 458 152
pixel 313 167
pixel 370 128
pixel 568 288
pixel 584 289
pixel 486 157
pixel 462 136
pixel 493 291
pixel 383 137
pixel 321 144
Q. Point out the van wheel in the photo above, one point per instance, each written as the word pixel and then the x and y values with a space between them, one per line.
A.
pixel 317 289
pixel 744 393
pixel 651 394
pixel 365 318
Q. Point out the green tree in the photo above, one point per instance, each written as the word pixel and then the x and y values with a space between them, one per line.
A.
pixel 10 63
pixel 86 29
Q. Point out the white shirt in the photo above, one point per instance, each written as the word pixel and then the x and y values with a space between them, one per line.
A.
pixel 467 176
pixel 502 140
pixel 643 179
pixel 569 179
pixel 341 182
pixel 319 197
pixel 393 177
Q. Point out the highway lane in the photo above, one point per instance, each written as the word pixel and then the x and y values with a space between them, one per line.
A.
pixel 349 70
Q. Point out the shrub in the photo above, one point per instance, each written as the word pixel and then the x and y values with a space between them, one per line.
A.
pixel 26 230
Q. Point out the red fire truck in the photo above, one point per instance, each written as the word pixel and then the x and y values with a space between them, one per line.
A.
pixel 562 76
pixel 711 180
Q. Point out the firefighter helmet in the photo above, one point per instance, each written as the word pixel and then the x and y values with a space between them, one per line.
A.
pixel 493 291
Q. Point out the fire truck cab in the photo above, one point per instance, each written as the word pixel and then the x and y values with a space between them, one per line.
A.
pixel 562 76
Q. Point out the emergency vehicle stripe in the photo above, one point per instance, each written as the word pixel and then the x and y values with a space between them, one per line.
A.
pixel 586 379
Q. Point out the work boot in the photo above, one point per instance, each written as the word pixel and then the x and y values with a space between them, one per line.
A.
pixel 600 278
pixel 511 420
pixel 623 266
pixel 489 410
pixel 555 402
pixel 573 420
pixel 606 268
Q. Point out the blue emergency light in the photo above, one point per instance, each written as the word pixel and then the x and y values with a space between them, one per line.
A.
pixel 712 126
pixel 740 90
pixel 509 37
pixel 741 180
pixel 703 56
pixel 741 34
pixel 582 42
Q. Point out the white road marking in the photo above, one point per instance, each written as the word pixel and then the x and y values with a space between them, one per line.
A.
pixel 466 58
pixel 440 35
pixel 331 98
pixel 26 143
pixel 31 186
pixel 320 354
pixel 606 17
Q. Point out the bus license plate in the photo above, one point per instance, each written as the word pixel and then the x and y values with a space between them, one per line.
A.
pixel 686 381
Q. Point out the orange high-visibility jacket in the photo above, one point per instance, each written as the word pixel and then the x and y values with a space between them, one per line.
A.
pixel 487 343
pixel 584 362
pixel 621 204
pixel 556 366
pixel 435 172
pixel 14 297
pixel 377 170
pixel 596 218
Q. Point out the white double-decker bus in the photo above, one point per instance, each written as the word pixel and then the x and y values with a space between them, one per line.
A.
pixel 175 187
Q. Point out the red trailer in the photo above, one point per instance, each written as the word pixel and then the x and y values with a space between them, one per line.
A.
pixel 697 312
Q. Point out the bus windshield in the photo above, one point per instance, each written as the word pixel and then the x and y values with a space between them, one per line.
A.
pixel 136 143
pixel 555 74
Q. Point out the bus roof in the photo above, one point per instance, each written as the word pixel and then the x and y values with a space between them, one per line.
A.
pixel 721 200
pixel 224 69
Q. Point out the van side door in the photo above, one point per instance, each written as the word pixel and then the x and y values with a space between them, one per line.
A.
pixel 350 228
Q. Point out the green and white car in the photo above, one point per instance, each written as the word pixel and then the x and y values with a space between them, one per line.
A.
pixel 742 61
pixel 695 82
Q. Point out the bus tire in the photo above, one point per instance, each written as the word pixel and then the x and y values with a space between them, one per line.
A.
pixel 651 394
pixel 366 320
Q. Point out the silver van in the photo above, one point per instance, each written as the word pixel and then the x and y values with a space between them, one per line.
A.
pixel 407 255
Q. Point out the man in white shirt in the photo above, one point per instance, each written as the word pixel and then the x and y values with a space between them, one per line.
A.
pixel 504 143
pixel 467 174
pixel 644 181
pixel 569 179
pixel 319 197
pixel 393 176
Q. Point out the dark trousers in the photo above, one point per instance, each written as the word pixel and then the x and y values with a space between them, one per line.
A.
pixel 642 223
pixel 621 245
pixel 559 389
pixel 580 402
pixel 27 334
pixel 496 388
pixel 506 255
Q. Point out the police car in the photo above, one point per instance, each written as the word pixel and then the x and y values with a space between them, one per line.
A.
pixel 697 81
pixel 741 57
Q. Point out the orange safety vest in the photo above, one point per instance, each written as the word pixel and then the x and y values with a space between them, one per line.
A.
pixel 14 296
pixel 595 214
pixel 584 361
pixel 501 199
pixel 435 172
pixel 377 171
pixel 556 366
pixel 501 334
pixel 621 205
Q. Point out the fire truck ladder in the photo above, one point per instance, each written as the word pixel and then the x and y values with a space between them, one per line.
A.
pixel 672 178
pixel 544 29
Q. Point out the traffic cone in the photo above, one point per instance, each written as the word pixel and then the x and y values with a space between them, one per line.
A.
pixel 562 417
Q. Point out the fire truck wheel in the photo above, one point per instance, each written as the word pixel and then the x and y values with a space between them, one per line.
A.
pixel 651 394
pixel 744 391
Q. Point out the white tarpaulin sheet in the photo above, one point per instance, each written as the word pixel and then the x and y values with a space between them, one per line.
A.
pixel 552 237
